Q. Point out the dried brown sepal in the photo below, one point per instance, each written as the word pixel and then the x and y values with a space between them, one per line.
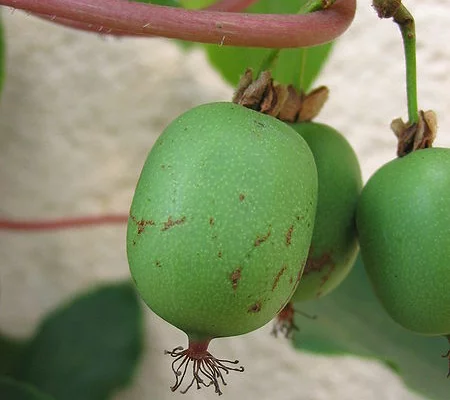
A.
pixel 412 137
pixel 274 99
pixel 386 8
pixel 290 110
pixel 312 103
pixel 280 101
pixel 251 94
pixel 204 366
pixel 243 84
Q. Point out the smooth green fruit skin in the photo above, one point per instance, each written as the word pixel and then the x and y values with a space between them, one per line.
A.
pixel 403 220
pixel 221 220
pixel 334 246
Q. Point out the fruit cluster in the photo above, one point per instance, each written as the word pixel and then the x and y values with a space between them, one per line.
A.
pixel 237 215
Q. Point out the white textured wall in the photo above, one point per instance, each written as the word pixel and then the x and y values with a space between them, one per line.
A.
pixel 78 115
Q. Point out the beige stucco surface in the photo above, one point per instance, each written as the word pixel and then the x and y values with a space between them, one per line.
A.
pixel 78 115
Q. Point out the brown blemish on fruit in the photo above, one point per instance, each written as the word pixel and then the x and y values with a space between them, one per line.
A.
pixel 317 264
pixel 219 254
pixel 291 280
pixel 289 235
pixel 262 239
pixel 241 197
pixel 171 223
pixel 278 276
pixel 141 224
pixel 158 263
pixel 235 277
pixel 211 221
pixel 134 242
pixel 254 308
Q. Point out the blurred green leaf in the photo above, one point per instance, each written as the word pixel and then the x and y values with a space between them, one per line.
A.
pixel 88 348
pixel 294 66
pixel 196 3
pixel 11 350
pixel 13 390
pixel 351 321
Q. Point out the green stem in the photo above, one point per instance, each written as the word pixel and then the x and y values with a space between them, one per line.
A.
pixel 405 21
pixel 309 7
pixel 403 18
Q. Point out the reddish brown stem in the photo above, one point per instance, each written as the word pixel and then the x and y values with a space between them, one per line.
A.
pixel 219 27
pixel 63 223
pixel 221 5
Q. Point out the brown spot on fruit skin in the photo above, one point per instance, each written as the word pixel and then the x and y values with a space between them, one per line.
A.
pixel 262 239
pixel 289 235
pixel 278 276
pixel 211 221
pixel 254 308
pixel 241 197
pixel 141 224
pixel 317 264
pixel 158 263
pixel 235 277
pixel 171 223
pixel 219 254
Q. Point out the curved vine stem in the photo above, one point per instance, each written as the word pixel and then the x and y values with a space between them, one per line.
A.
pixel 221 5
pixel 205 26
pixel 62 223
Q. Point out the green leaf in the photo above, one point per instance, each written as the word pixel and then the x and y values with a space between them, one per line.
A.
pixel 88 348
pixel 351 321
pixel 13 390
pixel 196 3
pixel 11 351
pixel 293 66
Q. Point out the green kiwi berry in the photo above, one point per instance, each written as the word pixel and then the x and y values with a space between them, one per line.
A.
pixel 334 245
pixel 220 225
pixel 403 220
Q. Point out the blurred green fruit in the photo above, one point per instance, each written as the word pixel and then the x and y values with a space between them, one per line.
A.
pixel 334 245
